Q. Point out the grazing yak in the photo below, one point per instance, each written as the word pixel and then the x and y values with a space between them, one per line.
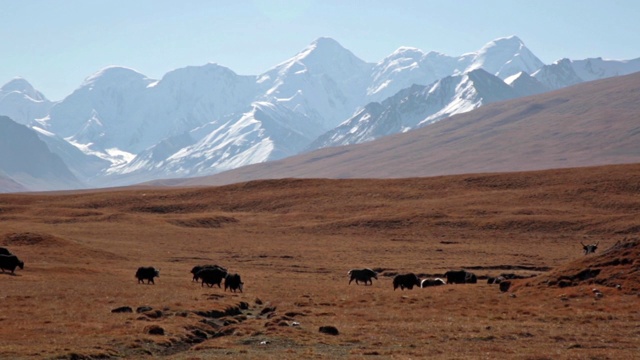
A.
pixel 405 281
pixel 364 275
pixel 460 277
pixel 197 268
pixel 432 282
pixel 589 249
pixel 147 273
pixel 5 251
pixel 10 262
pixel 233 282
pixel 211 276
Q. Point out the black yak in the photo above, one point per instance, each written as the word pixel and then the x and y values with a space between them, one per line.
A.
pixel 233 282
pixel 10 262
pixel 197 268
pixel 147 273
pixel 211 276
pixel 5 251
pixel 589 249
pixel 460 277
pixel 405 281
pixel 364 275
pixel 432 282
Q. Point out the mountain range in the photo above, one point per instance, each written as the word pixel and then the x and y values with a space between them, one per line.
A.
pixel 120 127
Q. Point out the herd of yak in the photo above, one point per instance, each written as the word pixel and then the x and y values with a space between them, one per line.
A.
pixel 207 274
pixel 214 274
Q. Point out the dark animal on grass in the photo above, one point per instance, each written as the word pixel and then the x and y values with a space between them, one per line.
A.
pixel 407 281
pixel 364 275
pixel 589 249
pixel 432 282
pixel 197 268
pixel 10 262
pixel 147 273
pixel 495 280
pixel 5 251
pixel 211 276
pixel 460 277
pixel 233 282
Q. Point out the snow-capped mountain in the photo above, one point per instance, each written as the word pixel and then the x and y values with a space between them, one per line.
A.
pixel 22 103
pixel 502 57
pixel 324 82
pixel 266 132
pixel 525 84
pixel 28 161
pixel 120 127
pixel 418 106
pixel 557 75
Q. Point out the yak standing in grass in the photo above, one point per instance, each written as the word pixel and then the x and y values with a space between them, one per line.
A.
pixel 197 268
pixel 364 275
pixel 10 262
pixel 460 277
pixel 233 282
pixel 211 276
pixel 5 251
pixel 432 282
pixel 406 281
pixel 147 273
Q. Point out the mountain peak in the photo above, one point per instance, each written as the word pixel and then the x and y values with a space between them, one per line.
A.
pixel 22 86
pixel 114 74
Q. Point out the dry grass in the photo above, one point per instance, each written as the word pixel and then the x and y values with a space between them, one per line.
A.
pixel 293 242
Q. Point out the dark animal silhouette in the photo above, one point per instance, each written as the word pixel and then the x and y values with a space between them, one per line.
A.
pixel 364 275
pixel 432 282
pixel 590 249
pixel 5 251
pixel 197 268
pixel 211 276
pixel 10 262
pixel 147 273
pixel 233 282
pixel 405 281
pixel 460 277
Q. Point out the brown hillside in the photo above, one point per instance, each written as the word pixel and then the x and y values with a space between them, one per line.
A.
pixel 293 242
pixel 594 123
pixel 617 267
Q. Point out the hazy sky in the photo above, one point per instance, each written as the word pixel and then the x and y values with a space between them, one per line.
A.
pixel 55 45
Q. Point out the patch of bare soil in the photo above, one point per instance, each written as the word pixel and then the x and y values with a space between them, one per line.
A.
pixel 204 222
pixel 31 239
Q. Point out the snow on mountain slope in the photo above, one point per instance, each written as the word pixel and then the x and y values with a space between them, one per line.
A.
pixel 102 111
pixel 598 68
pixel 325 82
pixel 504 57
pixel 557 75
pixel 267 132
pixel 418 106
pixel 406 67
pixel 84 166
pixel 525 84
pixel 22 103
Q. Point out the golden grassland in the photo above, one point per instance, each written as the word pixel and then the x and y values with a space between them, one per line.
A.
pixel 293 241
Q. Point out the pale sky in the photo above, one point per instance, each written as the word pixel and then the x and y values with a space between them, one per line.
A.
pixel 55 45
